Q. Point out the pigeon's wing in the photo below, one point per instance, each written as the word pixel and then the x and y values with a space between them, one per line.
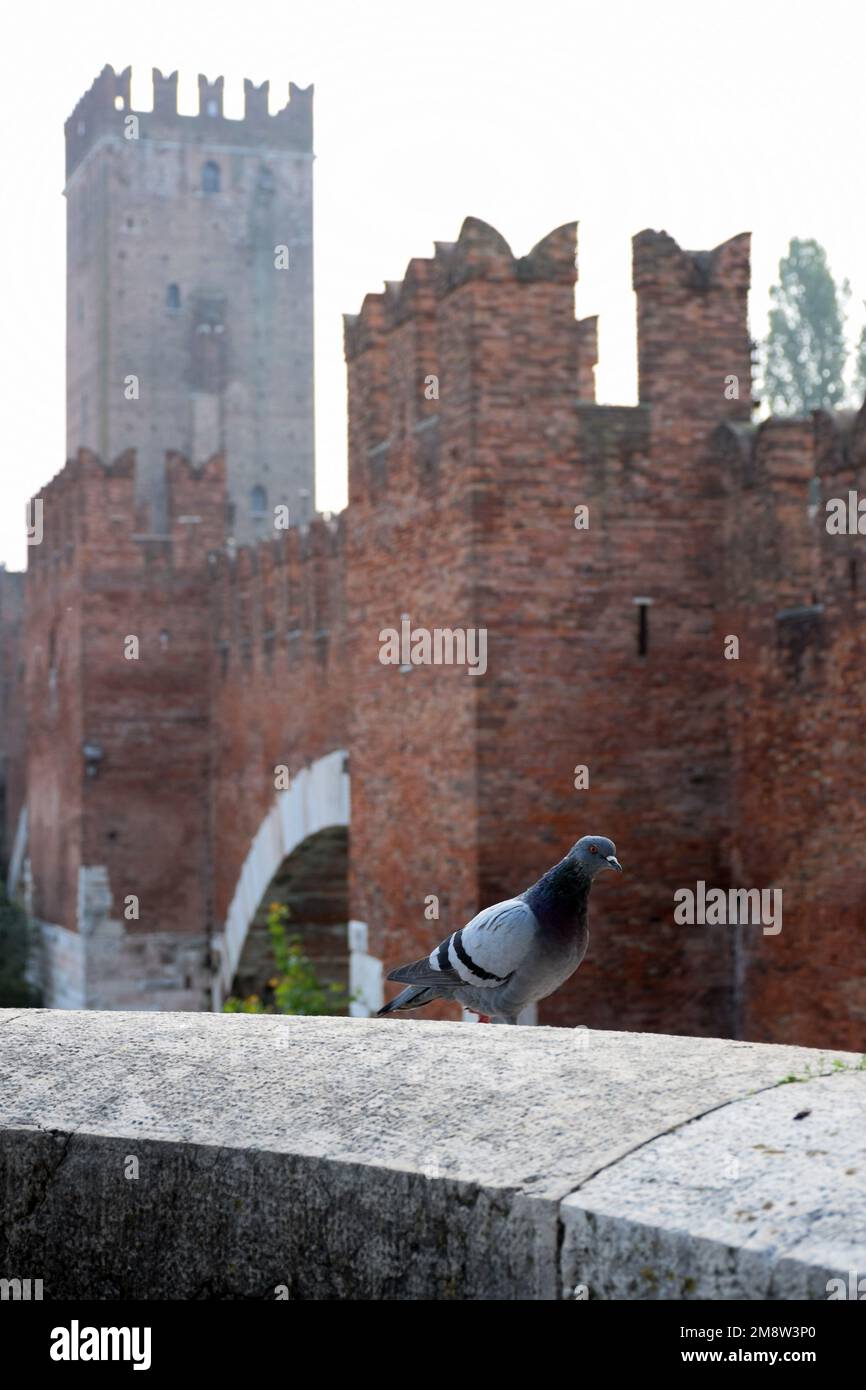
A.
pixel 484 953
pixel 429 970
pixel 488 950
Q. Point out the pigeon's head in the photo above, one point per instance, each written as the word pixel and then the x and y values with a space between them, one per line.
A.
pixel 594 853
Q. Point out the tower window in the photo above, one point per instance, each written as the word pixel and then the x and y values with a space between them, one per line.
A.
pixel 210 177
pixel 172 297
pixel 258 502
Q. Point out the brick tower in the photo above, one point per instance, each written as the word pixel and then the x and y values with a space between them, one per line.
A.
pixel 190 291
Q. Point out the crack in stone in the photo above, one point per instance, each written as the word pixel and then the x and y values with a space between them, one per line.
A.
pixel 39 1197
pixel 662 1133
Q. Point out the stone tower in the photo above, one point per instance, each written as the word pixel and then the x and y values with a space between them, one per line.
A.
pixel 190 291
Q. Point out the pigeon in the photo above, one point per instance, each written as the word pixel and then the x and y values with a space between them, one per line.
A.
pixel 516 952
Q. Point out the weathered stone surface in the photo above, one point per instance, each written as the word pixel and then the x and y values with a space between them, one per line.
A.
pixel 353 1158
pixel 765 1199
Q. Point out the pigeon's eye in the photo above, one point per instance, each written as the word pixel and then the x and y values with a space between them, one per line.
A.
pixel 593 849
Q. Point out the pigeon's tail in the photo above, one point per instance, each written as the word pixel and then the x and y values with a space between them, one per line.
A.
pixel 414 997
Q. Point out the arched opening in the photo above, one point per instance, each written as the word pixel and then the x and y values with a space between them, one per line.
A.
pixel 312 883
pixel 305 828
pixel 210 177
pixel 258 503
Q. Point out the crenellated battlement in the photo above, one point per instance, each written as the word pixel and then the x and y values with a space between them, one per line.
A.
pixel 659 260
pixel 322 538
pixel 85 501
pixel 91 520
pixel 279 596
pixel 431 353
pixel 826 445
pixel 104 110
pixel 480 253
pixel 693 332
pixel 781 480
pixel 94 503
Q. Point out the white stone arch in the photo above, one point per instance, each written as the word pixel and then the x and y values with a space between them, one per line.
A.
pixel 318 797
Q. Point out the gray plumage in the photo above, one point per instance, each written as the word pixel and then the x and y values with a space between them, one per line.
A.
pixel 516 952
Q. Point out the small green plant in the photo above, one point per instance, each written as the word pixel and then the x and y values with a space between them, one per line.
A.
pixel 16 992
pixel 838 1064
pixel 295 987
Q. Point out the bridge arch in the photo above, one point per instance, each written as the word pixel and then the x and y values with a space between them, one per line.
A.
pixel 316 801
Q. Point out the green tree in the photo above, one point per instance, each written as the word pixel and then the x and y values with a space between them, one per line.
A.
pixel 15 991
pixel 295 988
pixel 804 353
pixel 860 369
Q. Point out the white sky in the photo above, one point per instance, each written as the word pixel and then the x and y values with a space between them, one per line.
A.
pixel 700 118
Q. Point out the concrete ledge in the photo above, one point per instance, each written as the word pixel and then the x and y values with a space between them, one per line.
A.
pixel 373 1159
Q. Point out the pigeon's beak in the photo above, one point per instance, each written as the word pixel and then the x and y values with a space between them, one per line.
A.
pixel 614 863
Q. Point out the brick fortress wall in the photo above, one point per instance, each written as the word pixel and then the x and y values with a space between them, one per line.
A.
pixel 461 513
pixel 473 436
pixel 795 712
pixel 119 743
